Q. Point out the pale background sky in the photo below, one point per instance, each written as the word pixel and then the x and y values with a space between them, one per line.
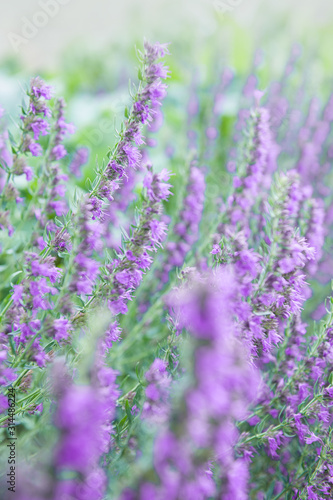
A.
pixel 94 24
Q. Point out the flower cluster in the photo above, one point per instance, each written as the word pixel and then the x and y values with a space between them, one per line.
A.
pixel 126 154
pixel 187 229
pixel 126 273
pixel 251 183
pixel 155 408
pixel 61 130
pixel 201 431
pixel 33 121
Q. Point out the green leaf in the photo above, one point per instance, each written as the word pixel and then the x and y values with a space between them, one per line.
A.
pixel 128 411
pixel 124 234
pixel 12 140
pixel 14 274
pixel 12 344
pixel 63 255
pixel 4 168
pixel 270 491
pixel 49 346
pixel 138 373
pixel 330 378
pixel 88 184
pixel 123 422
pixel 58 222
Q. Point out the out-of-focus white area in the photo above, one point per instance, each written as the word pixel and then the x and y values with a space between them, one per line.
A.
pixel 47 27
pixel 51 36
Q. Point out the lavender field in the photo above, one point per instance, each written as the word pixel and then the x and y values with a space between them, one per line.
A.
pixel 166 267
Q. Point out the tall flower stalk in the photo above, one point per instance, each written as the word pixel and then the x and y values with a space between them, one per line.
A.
pixel 200 434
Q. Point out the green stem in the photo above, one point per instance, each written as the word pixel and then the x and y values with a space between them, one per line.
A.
pixel 6 184
pixel 22 375
pixel 152 313
pixel 290 486
pixel 5 309
pixel 264 435
pixel 129 392
pixel 35 396
pixel 22 355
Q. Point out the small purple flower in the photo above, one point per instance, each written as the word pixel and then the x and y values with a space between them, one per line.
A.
pixel 59 206
pixel 312 438
pixel 59 152
pixel 35 149
pixel 157 187
pixel 39 126
pixel 17 295
pixel 29 174
pixel 61 328
pixel 5 155
pixel 156 408
pixel 39 89
pixel 80 158
pixel 45 268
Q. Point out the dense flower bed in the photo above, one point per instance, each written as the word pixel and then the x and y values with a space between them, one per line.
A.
pixel 154 353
